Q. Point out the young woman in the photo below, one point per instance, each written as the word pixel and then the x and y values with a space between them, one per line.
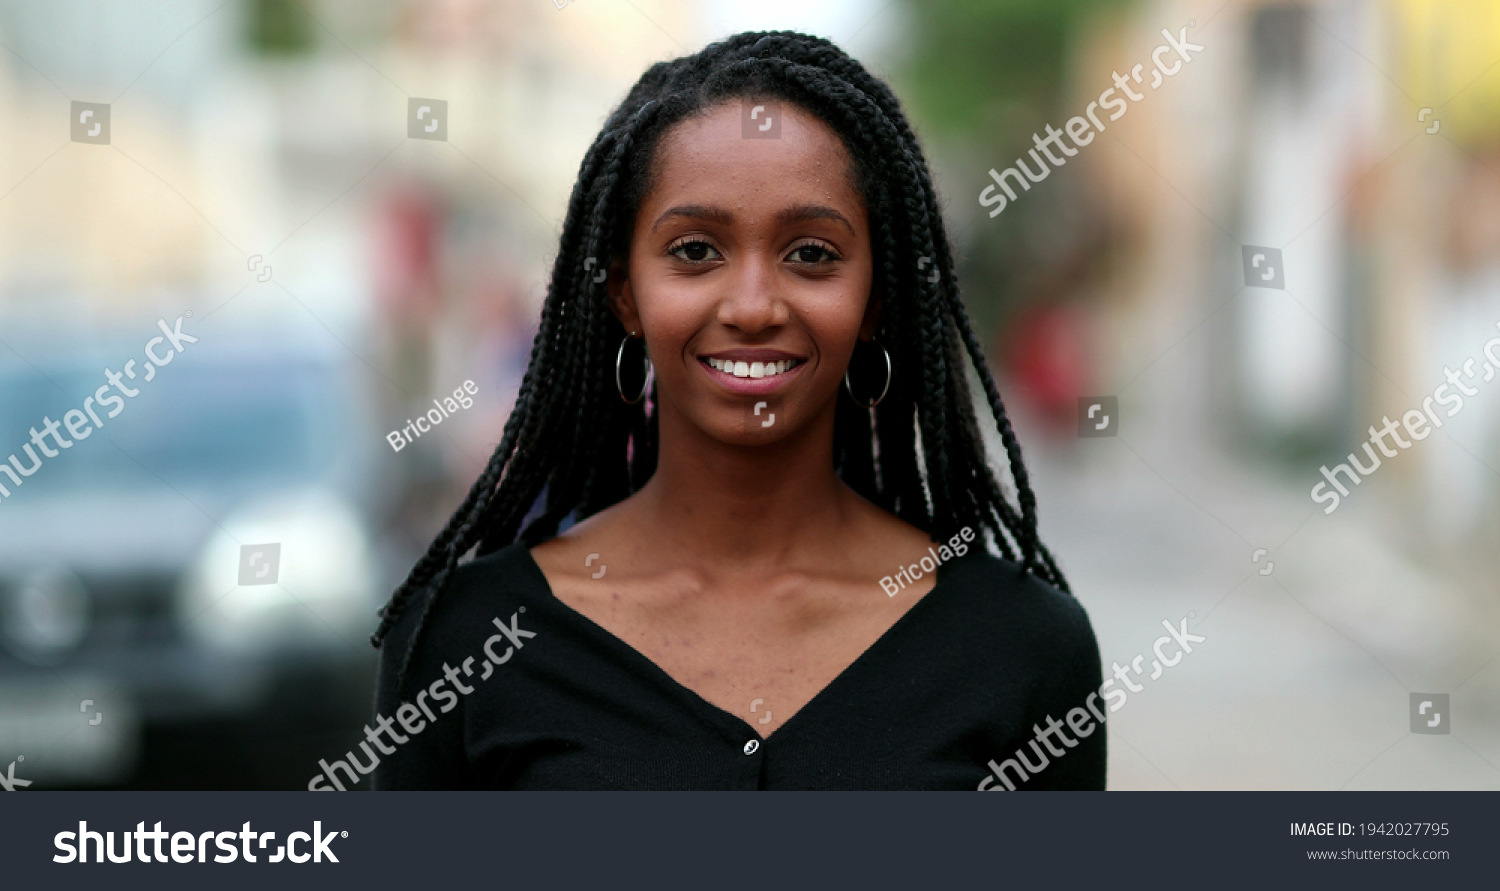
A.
pixel 749 389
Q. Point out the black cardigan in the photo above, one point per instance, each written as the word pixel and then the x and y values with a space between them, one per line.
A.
pixel 965 678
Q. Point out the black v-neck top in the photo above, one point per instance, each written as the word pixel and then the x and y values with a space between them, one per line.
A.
pixel 966 676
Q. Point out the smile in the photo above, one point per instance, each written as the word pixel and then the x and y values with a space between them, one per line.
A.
pixel 751 369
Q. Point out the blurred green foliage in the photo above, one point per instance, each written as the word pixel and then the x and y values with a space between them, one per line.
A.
pixel 980 77
pixel 279 28
pixel 972 54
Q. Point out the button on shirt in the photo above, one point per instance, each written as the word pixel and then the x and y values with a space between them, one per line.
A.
pixel 968 675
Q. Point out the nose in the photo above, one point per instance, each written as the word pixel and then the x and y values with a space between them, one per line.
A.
pixel 753 299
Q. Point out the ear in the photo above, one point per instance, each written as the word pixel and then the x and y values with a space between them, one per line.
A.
pixel 871 322
pixel 621 297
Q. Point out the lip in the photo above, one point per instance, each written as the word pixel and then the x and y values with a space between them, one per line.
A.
pixel 751 386
pixel 752 355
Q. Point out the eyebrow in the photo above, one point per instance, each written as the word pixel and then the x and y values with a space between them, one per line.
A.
pixel 800 213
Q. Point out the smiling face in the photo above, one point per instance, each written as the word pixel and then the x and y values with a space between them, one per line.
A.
pixel 749 274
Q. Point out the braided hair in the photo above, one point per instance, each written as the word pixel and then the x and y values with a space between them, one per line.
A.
pixel 920 454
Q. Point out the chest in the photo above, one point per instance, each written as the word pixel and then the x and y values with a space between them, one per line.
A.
pixel 761 659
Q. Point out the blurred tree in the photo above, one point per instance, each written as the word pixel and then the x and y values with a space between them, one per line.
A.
pixel 279 28
pixel 971 55
pixel 981 77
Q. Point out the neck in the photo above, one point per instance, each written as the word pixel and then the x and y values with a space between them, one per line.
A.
pixel 746 507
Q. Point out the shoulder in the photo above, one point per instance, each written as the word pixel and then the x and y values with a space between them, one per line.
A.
pixel 1017 614
pixel 495 585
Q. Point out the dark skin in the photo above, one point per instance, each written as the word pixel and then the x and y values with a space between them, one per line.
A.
pixel 745 568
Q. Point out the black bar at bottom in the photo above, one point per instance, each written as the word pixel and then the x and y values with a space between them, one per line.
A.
pixel 737 840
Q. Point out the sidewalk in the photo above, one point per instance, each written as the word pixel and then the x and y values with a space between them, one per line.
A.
pixel 1304 681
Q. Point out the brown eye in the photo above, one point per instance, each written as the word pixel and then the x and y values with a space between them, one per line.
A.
pixel 811 254
pixel 694 251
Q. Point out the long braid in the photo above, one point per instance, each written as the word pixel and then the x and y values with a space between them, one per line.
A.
pixel 825 54
pixel 594 313
pixel 522 422
pixel 477 499
pixel 511 460
pixel 1030 545
pixel 1024 495
pixel 861 113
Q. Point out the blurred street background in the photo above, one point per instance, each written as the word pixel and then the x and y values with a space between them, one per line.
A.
pixel 185 598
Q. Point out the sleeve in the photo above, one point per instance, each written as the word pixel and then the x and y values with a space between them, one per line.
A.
pixel 434 756
pixel 1083 767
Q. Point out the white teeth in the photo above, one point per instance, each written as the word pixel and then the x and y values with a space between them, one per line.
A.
pixel 751 369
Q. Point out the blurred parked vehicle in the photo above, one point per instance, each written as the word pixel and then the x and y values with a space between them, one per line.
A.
pixel 201 560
